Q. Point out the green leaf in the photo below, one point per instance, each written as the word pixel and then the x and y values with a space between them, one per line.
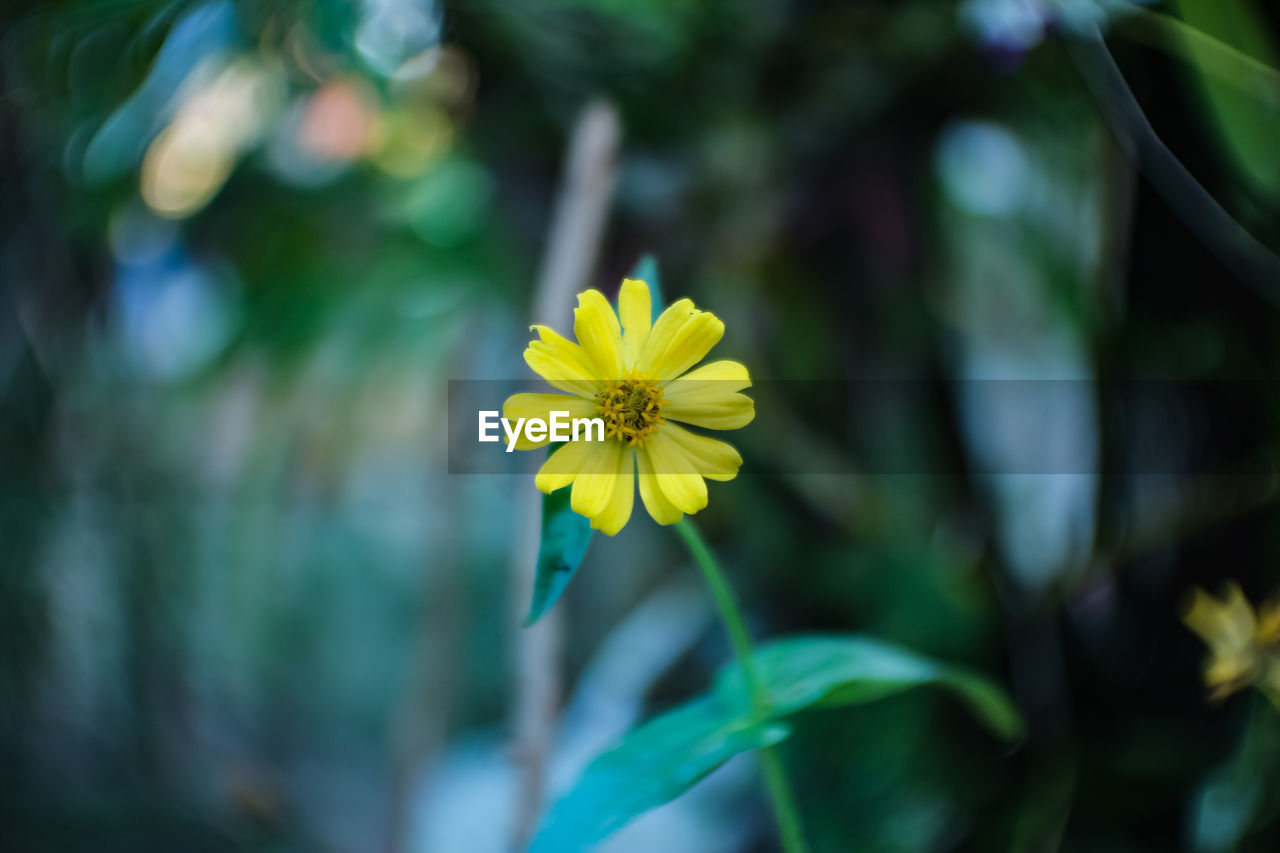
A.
pixel 1212 56
pixel 565 537
pixel 665 757
pixel 827 671
pixel 646 270
pixel 1250 128
pixel 650 766
pixel 1232 801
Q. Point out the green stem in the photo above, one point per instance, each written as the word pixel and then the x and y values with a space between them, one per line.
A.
pixel 784 805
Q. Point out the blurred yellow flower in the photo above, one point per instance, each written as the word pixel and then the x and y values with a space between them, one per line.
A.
pixel 1244 646
pixel 634 373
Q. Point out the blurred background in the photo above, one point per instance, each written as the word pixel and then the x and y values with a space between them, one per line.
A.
pixel 244 245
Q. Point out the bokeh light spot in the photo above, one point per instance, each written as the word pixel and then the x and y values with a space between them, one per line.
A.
pixel 188 162
pixel 983 168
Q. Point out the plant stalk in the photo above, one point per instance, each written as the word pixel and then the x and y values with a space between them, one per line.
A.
pixel 784 805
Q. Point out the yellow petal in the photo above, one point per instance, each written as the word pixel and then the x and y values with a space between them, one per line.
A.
pixel 664 330
pixel 635 310
pixel 1226 625
pixel 593 487
pixel 1268 631
pixel 596 327
pixel 616 514
pixel 713 459
pixel 707 397
pixel 662 510
pixel 681 338
pixel 729 375
pixel 1228 673
pixel 677 477
pixel 541 406
pixel 561 362
pixel 732 411
pixel 1238 608
pixel 563 466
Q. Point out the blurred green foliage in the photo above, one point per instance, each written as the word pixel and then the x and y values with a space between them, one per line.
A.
pixel 244 245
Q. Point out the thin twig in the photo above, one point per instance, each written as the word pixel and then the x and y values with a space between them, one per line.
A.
pixel 572 248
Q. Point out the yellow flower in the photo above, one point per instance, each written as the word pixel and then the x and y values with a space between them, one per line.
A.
pixel 634 373
pixel 1244 646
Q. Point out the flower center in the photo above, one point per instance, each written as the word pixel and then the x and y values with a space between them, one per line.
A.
pixel 632 409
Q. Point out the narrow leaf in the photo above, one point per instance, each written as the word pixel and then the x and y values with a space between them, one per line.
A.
pixel 650 766
pixel 826 671
pixel 646 270
pixel 565 537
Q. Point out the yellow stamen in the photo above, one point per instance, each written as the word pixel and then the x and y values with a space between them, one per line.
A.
pixel 631 408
